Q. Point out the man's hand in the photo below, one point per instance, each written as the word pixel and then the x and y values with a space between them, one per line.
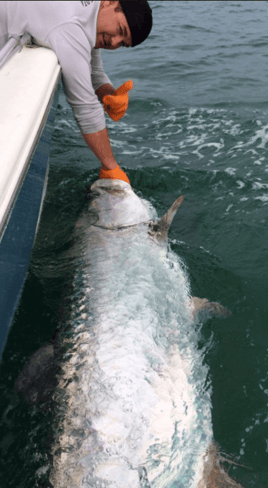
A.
pixel 114 174
pixel 116 104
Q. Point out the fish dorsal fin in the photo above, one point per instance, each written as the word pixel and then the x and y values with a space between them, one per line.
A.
pixel 159 230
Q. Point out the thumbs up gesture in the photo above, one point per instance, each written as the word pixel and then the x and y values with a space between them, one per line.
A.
pixel 116 105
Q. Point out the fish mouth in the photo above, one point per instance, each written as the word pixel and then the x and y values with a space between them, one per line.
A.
pixel 109 184
pixel 114 187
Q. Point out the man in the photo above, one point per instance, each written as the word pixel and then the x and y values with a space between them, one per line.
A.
pixel 76 31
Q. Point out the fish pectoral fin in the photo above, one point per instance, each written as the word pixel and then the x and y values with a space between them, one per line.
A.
pixel 215 473
pixel 36 377
pixel 213 308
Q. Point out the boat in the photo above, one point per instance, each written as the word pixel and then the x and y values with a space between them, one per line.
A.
pixel 29 90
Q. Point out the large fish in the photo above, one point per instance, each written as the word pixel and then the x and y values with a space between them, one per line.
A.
pixel 131 406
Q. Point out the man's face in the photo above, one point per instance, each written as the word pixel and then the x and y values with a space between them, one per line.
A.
pixel 112 27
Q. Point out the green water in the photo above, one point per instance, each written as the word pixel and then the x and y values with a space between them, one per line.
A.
pixel 197 125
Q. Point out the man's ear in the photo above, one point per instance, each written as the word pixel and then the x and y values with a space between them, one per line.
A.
pixel 106 3
pixel 118 7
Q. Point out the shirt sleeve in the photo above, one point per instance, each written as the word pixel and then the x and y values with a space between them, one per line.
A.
pixel 74 54
pixel 98 77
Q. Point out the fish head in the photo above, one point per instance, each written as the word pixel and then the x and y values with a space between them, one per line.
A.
pixel 116 205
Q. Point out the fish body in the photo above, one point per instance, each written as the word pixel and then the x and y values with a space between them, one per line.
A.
pixel 125 378
pixel 134 410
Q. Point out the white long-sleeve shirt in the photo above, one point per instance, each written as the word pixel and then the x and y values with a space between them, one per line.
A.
pixel 69 28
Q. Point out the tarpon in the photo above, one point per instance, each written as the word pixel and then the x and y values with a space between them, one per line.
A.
pixel 131 404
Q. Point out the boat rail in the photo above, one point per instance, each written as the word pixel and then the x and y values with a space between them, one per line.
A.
pixel 29 87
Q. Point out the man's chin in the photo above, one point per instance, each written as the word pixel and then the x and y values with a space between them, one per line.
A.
pixel 99 42
pixel 98 46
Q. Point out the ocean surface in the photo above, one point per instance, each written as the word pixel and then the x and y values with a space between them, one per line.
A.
pixel 197 125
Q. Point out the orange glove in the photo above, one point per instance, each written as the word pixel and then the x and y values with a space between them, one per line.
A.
pixel 114 174
pixel 116 105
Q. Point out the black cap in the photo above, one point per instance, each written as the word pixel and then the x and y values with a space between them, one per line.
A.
pixel 139 18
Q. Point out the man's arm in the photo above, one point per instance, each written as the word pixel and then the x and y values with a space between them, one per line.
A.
pixel 74 59
pixel 100 145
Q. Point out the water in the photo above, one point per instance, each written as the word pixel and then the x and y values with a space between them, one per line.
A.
pixel 196 125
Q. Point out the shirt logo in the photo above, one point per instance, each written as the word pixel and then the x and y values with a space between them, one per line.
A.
pixel 85 3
